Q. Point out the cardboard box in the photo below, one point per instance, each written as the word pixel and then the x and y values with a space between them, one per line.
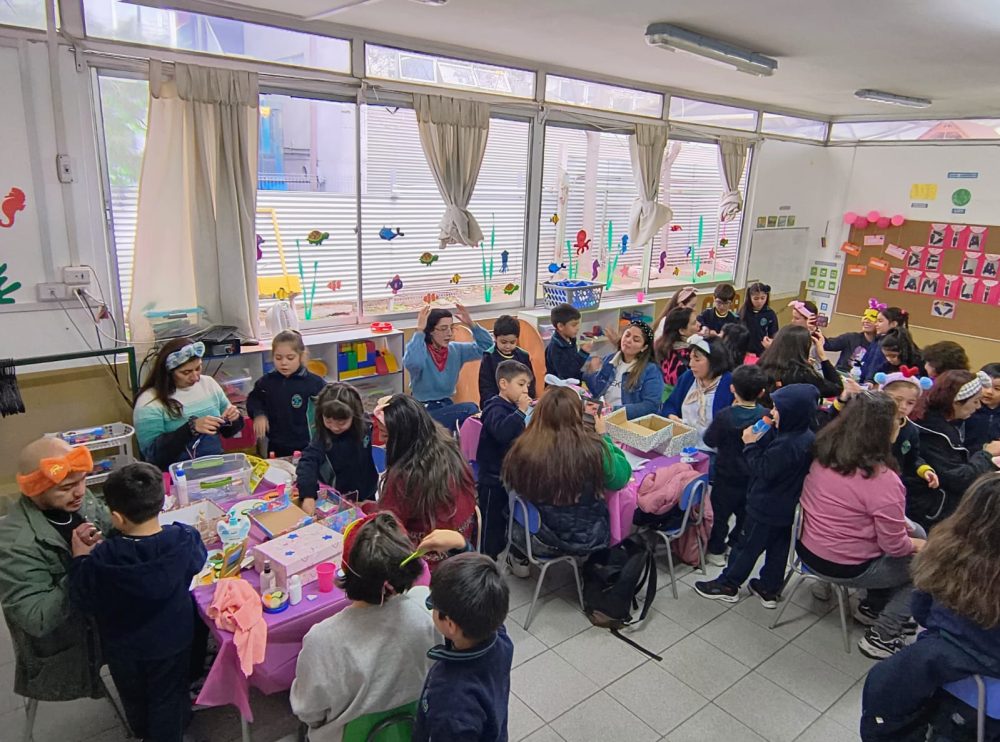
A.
pixel 651 433
pixel 298 553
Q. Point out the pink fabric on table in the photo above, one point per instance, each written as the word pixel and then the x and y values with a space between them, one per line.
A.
pixel 236 608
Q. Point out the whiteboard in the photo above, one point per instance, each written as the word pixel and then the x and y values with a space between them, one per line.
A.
pixel 778 257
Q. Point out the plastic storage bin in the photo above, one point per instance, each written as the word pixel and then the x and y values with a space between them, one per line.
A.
pixel 578 294
pixel 175 323
pixel 216 478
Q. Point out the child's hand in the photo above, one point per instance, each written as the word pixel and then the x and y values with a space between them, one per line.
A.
pixel 524 402
pixel 231 413
pixel 851 388
pixel 599 425
pixel 308 505
pixel 932 480
pixel 675 419
pixel 593 365
pixel 586 345
pixel 751 437
pixel 992 448
pixel 918 544
pixel 441 541
pixel 260 426
pixel 766 341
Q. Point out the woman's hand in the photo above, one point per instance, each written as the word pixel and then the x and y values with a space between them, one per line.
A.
pixel 992 448
pixel 208 425
pixel 599 425
pixel 463 315
pixel 232 413
pixel 260 426
pixel 851 388
pixel 422 318
pixel 441 541
pixel 819 341
pixel 613 335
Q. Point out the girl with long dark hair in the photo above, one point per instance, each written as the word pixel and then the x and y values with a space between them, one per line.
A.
pixel 758 317
pixel 671 348
pixel 786 361
pixel 628 378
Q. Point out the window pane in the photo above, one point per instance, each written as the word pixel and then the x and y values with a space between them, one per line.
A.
pixel 30 13
pixel 694 190
pixel 916 130
pixel 174 29
pixel 399 193
pixel 712 114
pixel 587 182
pixel 407 66
pixel 604 97
pixel 792 126
pixel 306 183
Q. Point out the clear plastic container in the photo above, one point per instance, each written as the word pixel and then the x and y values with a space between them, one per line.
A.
pixel 216 478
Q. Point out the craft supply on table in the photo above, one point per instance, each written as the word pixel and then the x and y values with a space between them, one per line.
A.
pixel 295 589
pixel 325 572
pixel 274 601
pixel 217 478
pixel 280 515
pixel 299 552
pixel 203 516
pixel 268 581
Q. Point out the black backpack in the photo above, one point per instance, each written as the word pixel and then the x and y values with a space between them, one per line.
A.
pixel 613 578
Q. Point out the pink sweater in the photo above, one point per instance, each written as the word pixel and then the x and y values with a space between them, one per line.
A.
pixel 849 520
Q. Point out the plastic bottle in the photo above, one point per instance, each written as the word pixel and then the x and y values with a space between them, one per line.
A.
pixel 761 426
pixel 294 590
pixel 181 489
pixel 268 580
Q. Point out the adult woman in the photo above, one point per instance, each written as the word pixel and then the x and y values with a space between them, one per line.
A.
pixel 887 319
pixel 704 388
pixel 434 361
pixel 671 347
pixel 953 399
pixel 686 297
pixel 944 356
pixel 179 413
pixel 628 378
pixel 786 361
pixel 563 466
pixel 854 527
pixel 427 482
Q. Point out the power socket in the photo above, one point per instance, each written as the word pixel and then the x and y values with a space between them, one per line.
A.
pixel 55 292
pixel 74 275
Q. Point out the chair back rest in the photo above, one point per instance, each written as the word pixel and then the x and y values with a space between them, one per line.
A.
pixel 968 691
pixel 378 458
pixel 694 493
pixel 526 514
pixel 468 437
pixel 395 725
pixel 793 556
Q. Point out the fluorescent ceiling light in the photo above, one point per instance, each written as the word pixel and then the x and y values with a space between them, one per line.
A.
pixel 674 38
pixel 880 96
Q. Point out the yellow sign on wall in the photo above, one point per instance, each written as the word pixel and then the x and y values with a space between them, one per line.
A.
pixel 923 191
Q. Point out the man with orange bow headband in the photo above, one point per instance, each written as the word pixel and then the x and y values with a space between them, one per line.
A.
pixel 55 646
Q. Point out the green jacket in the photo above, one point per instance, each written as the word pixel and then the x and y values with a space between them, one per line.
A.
pixel 56 647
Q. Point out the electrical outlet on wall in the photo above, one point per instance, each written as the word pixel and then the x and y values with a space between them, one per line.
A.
pixel 74 275
pixel 55 292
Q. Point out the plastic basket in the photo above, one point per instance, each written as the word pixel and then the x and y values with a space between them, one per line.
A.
pixel 217 478
pixel 578 294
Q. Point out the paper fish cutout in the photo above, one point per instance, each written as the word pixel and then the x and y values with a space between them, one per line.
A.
pixel 388 234
pixel 12 203
pixel 554 218
pixel 556 267
pixel 334 285
pixel 510 288
pixel 430 298
pixel 260 241
pixel 582 243
pixel 456 278
pixel 624 248
pixel 429 258
pixel 593 268
pixel 675 227
pixel 701 273
pixel 663 261
pixel 677 271
pixel 316 237
pixel 396 284
pixel 504 257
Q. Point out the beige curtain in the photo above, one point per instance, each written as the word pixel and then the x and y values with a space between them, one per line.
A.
pixel 453 135
pixel 646 148
pixel 195 243
pixel 732 160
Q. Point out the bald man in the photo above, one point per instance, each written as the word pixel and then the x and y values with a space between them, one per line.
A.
pixel 58 656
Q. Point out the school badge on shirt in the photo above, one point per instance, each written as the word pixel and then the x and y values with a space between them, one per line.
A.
pixel 296 401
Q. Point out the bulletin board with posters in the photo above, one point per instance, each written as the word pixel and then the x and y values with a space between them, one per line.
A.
pixel 946 275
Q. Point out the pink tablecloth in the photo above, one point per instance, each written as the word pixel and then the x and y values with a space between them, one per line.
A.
pixel 622 504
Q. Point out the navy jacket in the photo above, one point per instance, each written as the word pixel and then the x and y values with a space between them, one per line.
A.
pixel 725 434
pixel 346 465
pixel 780 460
pixel 713 321
pixel 894 703
pixel 723 395
pixel 466 694
pixel 137 588
pixel 644 399
pixel 873 362
pixel 503 422
pixel 762 324
pixel 563 359
pixel 488 372
pixel 285 401
pixel 982 427
pixel 852 346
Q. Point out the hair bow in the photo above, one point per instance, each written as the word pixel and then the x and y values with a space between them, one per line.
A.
pixel 54 470
pixel 573 384
pixel 875 304
pixel 909 371
pixel 801 308
pixel 909 374
pixel 182 355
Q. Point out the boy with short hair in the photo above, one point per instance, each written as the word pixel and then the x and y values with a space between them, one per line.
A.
pixel 984 425
pixel 467 691
pixel 504 418
pixel 137 586
pixel 562 359
pixel 731 472
pixel 721 313
pixel 506 331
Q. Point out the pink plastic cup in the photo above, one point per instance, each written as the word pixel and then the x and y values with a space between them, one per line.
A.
pixel 324 574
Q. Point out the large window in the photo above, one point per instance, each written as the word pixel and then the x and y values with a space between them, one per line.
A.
pixel 712 114
pixel 891 131
pixel 604 97
pixel 793 126
pixel 30 13
pixel 175 29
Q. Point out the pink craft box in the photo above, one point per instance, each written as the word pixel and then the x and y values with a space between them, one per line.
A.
pixel 298 553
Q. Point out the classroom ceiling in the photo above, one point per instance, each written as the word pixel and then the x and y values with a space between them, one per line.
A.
pixel 945 51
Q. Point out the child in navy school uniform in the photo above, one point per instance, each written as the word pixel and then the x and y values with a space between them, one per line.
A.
pixel 758 317
pixel 720 313
pixel 279 402
pixel 562 358
pixel 984 425
pixel 504 418
pixel 506 331
pixel 467 691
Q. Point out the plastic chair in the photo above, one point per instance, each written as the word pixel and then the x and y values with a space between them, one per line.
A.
pixel 378 457
pixel 797 568
pixel 527 516
pixel 468 442
pixel 395 725
pixel 31 712
pixel 982 694
pixel 691 500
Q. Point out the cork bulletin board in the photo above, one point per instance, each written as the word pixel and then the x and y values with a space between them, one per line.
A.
pixel 945 275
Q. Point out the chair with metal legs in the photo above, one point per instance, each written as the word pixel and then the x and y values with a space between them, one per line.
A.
pixel 691 503
pixel 31 713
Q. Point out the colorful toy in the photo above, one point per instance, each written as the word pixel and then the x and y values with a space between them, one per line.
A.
pixel 387 234
pixel 12 203
pixel 381 326
pixel 396 283
pixel 582 242
pixel 456 278
pixel 298 553
pixel 429 258
pixel 504 256
pixel 275 601
pixel 360 359
pixel 317 238
pixel 510 288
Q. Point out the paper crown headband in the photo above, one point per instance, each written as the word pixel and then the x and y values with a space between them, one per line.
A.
pixel 910 374
pixel 973 387
pixel 54 470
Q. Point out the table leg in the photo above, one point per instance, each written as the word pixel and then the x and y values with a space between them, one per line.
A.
pixel 245 729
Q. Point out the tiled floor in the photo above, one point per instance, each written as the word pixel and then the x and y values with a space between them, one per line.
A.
pixel 724 676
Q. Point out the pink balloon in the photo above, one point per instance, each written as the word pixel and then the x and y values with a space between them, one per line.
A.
pixel 861 222
pixel 850 217
pixel 897 220
pixel 873 216
pixel 883 222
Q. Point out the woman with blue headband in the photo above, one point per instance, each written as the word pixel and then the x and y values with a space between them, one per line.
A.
pixel 180 414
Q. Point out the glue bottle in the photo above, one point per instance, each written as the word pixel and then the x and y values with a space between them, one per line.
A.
pixel 268 580
pixel 180 485
pixel 294 590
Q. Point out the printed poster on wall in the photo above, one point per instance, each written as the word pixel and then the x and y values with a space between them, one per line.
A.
pixel 989 266
pixel 894 279
pixel 929 283
pixel 968 290
pixel 933 261
pixel 970 264
pixel 949 286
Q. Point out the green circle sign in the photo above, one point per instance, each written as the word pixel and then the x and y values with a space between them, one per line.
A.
pixel 961 197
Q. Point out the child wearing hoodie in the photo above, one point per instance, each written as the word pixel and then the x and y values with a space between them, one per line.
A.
pixel 504 417
pixel 778 459
pixel 136 584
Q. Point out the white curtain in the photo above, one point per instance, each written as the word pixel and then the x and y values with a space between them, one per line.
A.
pixel 194 242
pixel 732 160
pixel 646 148
pixel 453 135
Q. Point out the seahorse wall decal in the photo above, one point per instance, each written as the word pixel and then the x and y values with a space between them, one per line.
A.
pixel 12 203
